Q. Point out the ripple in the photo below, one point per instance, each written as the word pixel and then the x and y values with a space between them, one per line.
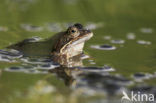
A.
pixel 15 69
pixel 42 63
pixel 119 41
pixel 26 69
pixel 48 66
pixel 139 77
pixel 32 39
pixel 146 30
pixel 93 26
pixel 37 60
pixel 131 36
pixel 54 27
pixel 9 55
pixel 35 72
pixel 103 47
pixel 107 37
pixel 105 68
pixel 142 88
pixel 84 56
pixel 111 84
pixel 67 24
pixel 143 42
pixel 6 59
pixel 31 28
pixel 3 28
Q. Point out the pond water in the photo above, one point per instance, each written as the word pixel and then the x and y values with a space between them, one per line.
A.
pixel 122 51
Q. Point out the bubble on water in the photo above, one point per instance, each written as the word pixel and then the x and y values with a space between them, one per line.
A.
pixel 107 37
pixel 92 63
pixel 143 42
pixel 103 47
pixel 91 60
pixel 27 69
pixel 131 36
pixel 105 68
pixel 32 39
pixel 143 88
pixel 93 26
pixel 102 83
pixel 146 30
pixel 6 59
pixel 34 71
pixel 37 60
pixel 68 24
pixel 139 77
pixel 42 64
pixel 54 27
pixel 9 55
pixel 31 28
pixel 119 41
pixel 15 69
pixel 154 74
pixel 47 66
pixel 109 68
pixel 3 28
pixel 84 56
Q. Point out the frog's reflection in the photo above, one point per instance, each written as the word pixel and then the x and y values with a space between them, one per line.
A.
pixel 65 74
pixel 64 61
pixel 77 76
pixel 65 71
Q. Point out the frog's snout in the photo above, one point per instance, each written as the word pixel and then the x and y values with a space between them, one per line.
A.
pixel 89 32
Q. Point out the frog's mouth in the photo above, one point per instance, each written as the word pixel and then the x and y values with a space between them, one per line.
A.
pixel 76 42
pixel 84 36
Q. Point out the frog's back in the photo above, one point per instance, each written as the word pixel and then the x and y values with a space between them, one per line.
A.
pixel 39 48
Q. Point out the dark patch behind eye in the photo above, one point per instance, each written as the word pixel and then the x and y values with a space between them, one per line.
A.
pixel 78 25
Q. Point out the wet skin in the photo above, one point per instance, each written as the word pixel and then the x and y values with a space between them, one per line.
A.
pixel 64 44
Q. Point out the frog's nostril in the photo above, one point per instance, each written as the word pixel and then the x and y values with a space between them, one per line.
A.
pixel 88 31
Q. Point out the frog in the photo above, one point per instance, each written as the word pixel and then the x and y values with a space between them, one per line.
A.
pixel 66 44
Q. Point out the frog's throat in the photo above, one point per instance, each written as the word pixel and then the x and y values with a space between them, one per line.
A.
pixel 77 40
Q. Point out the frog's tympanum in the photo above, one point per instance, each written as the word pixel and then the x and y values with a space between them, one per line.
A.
pixel 61 46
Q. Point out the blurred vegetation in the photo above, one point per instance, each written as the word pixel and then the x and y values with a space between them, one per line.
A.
pixel 119 17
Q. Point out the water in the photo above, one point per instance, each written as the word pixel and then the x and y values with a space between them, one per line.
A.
pixel 133 62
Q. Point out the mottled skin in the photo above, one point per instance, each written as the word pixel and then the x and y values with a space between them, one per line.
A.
pixel 69 35
pixel 72 42
pixel 64 44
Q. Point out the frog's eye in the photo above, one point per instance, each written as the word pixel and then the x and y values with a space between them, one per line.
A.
pixel 73 31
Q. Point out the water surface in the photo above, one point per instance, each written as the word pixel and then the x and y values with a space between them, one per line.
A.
pixel 111 20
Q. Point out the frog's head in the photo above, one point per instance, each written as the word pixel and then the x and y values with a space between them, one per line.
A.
pixel 73 40
pixel 78 36
pixel 72 32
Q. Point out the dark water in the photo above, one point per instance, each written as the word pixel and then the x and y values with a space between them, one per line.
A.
pixel 122 51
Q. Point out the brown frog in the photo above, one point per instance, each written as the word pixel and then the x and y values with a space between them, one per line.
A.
pixel 64 44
